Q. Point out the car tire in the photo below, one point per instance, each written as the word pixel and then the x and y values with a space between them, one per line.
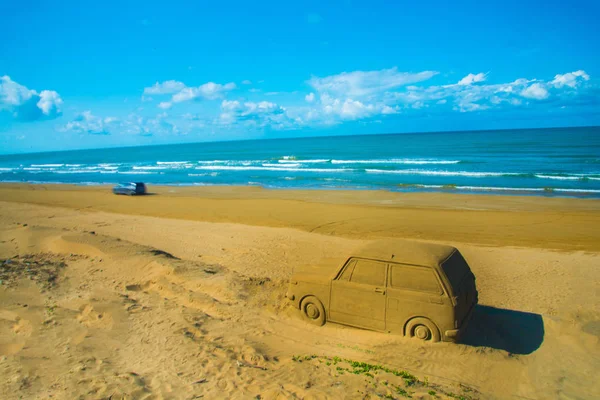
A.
pixel 313 311
pixel 422 329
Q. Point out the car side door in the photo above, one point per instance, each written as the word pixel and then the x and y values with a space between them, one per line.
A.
pixel 358 294
pixel 414 291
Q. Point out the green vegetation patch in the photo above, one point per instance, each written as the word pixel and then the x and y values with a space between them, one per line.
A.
pixel 370 372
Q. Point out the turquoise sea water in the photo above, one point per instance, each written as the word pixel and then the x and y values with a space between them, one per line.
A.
pixel 549 162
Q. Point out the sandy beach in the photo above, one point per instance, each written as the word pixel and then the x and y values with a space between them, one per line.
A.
pixel 180 294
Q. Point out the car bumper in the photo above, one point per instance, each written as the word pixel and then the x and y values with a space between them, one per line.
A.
pixel 454 335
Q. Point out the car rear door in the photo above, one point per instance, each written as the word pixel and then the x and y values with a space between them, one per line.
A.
pixel 358 294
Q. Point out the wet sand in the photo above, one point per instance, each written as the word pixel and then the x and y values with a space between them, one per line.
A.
pixel 206 315
pixel 554 223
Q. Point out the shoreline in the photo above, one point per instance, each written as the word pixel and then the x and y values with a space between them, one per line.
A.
pixel 545 192
pixel 521 221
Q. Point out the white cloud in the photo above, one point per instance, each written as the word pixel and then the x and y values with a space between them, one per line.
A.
pixel 260 107
pixel 371 98
pixel 166 87
pixel 210 91
pixel 358 94
pixel 469 107
pixel 347 109
pixel 133 124
pixel 165 105
pixel 246 82
pixel 254 114
pixel 158 125
pixel 535 91
pixel 26 104
pixel 86 122
pixel 570 79
pixel 354 109
pixel 185 95
pixel 387 110
pixel 12 94
pixel 472 78
pixel 363 83
pixel 49 102
pixel 230 105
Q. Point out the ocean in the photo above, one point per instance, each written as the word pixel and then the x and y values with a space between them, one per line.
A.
pixel 546 162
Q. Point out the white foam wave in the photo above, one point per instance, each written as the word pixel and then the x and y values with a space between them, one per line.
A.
pixel 506 189
pixel 152 168
pixel 293 161
pixel 6 169
pixel 578 190
pixel 47 165
pixel 560 178
pixel 438 173
pixel 282 166
pixel 397 161
pixel 72 171
pixel 205 174
pixel 492 188
pixel 252 168
pixel 171 162
pixel 208 162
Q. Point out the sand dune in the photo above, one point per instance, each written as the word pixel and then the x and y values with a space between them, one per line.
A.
pixel 148 307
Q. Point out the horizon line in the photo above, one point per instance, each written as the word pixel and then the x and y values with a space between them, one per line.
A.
pixel 302 137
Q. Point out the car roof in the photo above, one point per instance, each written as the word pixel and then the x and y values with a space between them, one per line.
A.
pixel 406 252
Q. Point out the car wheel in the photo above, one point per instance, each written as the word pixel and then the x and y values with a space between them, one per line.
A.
pixel 423 329
pixel 313 310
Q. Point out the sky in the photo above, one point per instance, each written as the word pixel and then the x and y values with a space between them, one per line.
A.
pixel 79 74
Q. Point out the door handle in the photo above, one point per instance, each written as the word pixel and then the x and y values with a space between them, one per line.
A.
pixel 380 290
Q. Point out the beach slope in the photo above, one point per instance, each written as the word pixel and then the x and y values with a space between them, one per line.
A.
pixel 181 295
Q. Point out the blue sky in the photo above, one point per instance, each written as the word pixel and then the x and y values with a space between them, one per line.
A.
pixel 84 75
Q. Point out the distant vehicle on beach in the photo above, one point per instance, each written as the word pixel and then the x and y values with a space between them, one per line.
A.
pixel 416 289
pixel 130 188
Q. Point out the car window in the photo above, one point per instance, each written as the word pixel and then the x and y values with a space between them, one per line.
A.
pixel 369 272
pixel 414 278
pixel 345 275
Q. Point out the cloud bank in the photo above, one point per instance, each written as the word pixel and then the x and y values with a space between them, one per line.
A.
pixel 356 96
pixel 27 104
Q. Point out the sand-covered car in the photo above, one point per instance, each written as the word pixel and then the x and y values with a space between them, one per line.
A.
pixel 416 289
